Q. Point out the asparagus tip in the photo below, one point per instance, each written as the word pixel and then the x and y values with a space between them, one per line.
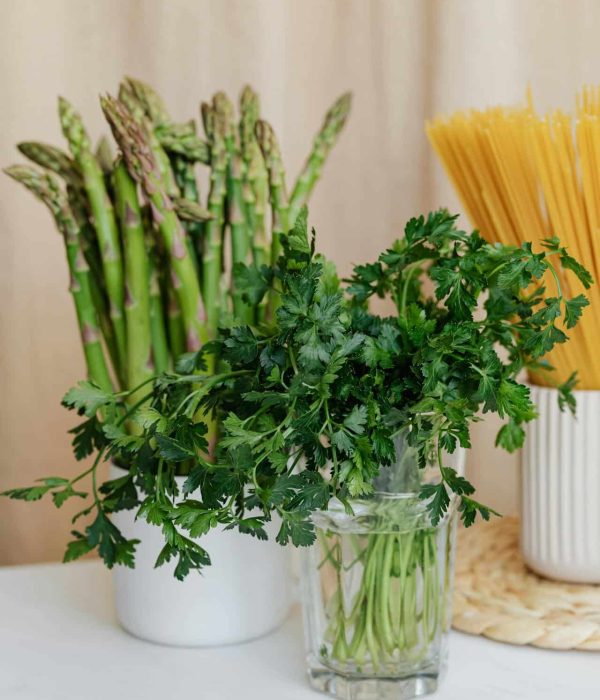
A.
pixel 341 109
pixel 21 173
pixel 266 137
pixel 248 95
pixel 64 106
pixel 208 119
pixel 25 148
pixel 12 171
pixel 223 111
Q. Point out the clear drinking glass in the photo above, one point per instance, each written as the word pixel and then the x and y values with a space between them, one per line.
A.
pixel 377 588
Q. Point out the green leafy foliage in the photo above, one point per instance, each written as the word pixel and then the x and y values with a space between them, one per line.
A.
pixel 309 408
pixel 87 399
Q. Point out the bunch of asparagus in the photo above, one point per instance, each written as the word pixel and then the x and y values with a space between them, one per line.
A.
pixel 147 263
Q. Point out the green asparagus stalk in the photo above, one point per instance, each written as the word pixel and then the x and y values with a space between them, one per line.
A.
pixel 182 167
pixel 249 113
pixel 137 111
pixel 239 234
pixel 59 162
pixel 188 210
pixel 223 116
pixel 178 139
pixel 157 264
pixel 256 184
pixel 103 219
pixel 53 159
pixel 104 156
pixel 101 306
pixel 56 160
pixel 236 219
pixel 45 187
pixel 141 162
pixel 89 244
pixel 140 366
pixel 208 120
pixel 160 347
pixel 279 200
pixel 91 251
pixel 188 207
pixel 175 325
pixel 324 141
pixel 212 259
pixel 153 104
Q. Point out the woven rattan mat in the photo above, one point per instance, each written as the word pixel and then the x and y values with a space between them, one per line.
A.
pixel 498 597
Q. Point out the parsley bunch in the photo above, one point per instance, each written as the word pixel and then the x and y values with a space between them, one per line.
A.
pixel 310 406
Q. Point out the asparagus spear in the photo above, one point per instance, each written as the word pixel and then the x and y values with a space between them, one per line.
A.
pixel 152 102
pixel 212 258
pixel 54 159
pixel 103 219
pixel 45 187
pixel 278 194
pixel 101 306
pixel 136 109
pixel 160 348
pixel 208 120
pixel 188 207
pixel 176 138
pixel 60 163
pixel 279 200
pixel 137 280
pixel 104 155
pixel 89 244
pixel 236 219
pixel 175 325
pixel 324 141
pixel 133 141
pixel 188 210
pixel 147 107
pixel 256 183
pixel 249 111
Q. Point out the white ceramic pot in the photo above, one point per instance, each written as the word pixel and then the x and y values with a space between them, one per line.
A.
pixel 560 479
pixel 245 593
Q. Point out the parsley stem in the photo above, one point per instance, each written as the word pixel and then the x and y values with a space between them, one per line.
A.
pixel 134 408
pixel 293 360
pixel 296 458
pixel 90 470
pixel 160 493
pixel 556 279
pixel 439 459
pixel 134 389
pixel 499 267
pixel 207 385
pixel 412 268
pixel 333 448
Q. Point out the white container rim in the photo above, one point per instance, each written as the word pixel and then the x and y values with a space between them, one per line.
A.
pixel 553 389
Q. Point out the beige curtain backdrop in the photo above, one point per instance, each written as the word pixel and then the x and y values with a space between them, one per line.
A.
pixel 405 60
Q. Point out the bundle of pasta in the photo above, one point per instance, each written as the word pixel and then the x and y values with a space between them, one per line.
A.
pixel 524 177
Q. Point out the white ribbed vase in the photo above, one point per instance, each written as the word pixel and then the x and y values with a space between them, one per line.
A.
pixel 560 484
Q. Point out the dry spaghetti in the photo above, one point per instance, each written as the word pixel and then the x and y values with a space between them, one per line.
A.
pixel 522 177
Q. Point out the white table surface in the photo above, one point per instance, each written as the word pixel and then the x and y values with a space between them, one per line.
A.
pixel 59 641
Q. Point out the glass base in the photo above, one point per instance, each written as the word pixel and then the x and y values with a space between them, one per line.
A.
pixel 356 687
